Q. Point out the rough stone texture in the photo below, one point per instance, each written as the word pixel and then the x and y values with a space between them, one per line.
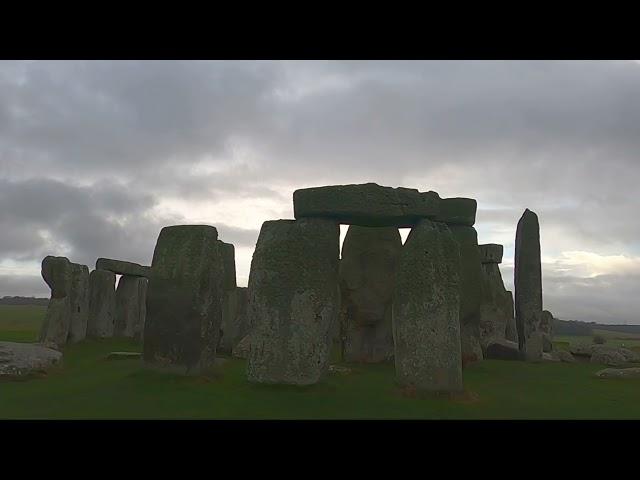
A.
pixel 502 350
pixel 368 204
pixel 511 332
pixel 533 353
pixel 496 310
pixel 124 356
pixel 564 356
pixel 57 273
pixel 548 357
pixel 234 319
pixel 588 350
pixel 242 348
pixel 632 372
pixel 20 359
pixel 426 305
pixel 490 253
pixel 471 292
pixel 79 302
pixel 608 357
pixel 123 268
pixel 294 299
pixel 184 299
pixel 367 277
pixel 229 261
pixel 457 211
pixel 546 327
pixel 102 304
pixel 547 343
pixel 131 307
pixel 528 282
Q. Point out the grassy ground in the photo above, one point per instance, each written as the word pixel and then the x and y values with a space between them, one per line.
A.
pixel 89 386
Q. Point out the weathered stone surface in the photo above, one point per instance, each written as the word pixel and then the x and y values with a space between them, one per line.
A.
pixel 131 307
pixel 235 324
pixel 490 253
pixel 426 306
pixel 547 344
pixel 608 357
pixel 548 357
pixel 294 299
pixel 633 372
pixel 533 353
pixel 563 356
pixel 102 304
pixel 79 302
pixel 588 350
pixel 184 299
pixel 242 348
pixel 528 282
pixel 502 350
pixel 368 204
pixel 367 277
pixel 496 310
pixel 20 359
pixel 123 268
pixel 457 211
pixel 228 252
pixel 471 292
pixel 57 273
pixel 511 332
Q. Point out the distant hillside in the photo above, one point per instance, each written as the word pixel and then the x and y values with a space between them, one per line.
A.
pixel 573 327
pixel 24 301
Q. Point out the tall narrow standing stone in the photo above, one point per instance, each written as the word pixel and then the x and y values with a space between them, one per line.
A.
pixel 367 278
pixel 470 291
pixel 511 332
pixel 102 304
pixel 79 302
pixel 57 273
pixel 184 299
pixel 528 284
pixel 131 297
pixel 294 300
pixel 426 308
pixel 234 319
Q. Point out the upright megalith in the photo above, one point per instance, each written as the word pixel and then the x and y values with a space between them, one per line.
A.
pixel 496 310
pixel 426 306
pixel 79 302
pixel 102 304
pixel 546 327
pixel 368 204
pixel 184 299
pixel 228 253
pixel 234 319
pixel 122 268
pixel 528 284
pixel 57 273
pixel 294 300
pixel 471 291
pixel 131 307
pixel 457 211
pixel 367 277
pixel 511 332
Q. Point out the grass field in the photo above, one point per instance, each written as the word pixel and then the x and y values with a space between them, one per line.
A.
pixel 89 386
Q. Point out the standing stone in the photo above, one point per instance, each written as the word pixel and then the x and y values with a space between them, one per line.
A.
pixel 426 306
pixel 367 277
pixel 79 302
pixel 368 204
pixel 229 261
pixel 102 304
pixel 294 300
pixel 471 293
pixel 57 273
pixel 496 309
pixel 546 327
pixel 131 298
pixel 184 299
pixel 511 332
pixel 234 319
pixel 528 284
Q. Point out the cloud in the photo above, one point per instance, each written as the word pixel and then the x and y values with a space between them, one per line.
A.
pixel 97 156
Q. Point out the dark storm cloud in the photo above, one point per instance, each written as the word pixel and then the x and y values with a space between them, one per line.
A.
pixel 90 151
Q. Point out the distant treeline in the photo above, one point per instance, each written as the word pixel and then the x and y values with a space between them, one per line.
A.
pixel 24 301
pixel 573 327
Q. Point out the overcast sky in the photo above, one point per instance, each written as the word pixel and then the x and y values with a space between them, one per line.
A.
pixel 96 157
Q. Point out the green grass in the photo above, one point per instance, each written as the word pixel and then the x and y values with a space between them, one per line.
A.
pixel 20 323
pixel 89 386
